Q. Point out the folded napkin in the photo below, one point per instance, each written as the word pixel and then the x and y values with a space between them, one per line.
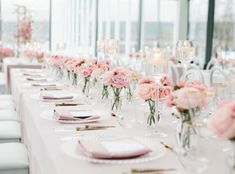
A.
pixel 41 79
pixel 117 149
pixel 44 84
pixel 73 115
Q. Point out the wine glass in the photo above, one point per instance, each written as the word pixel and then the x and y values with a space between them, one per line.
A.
pixel 185 52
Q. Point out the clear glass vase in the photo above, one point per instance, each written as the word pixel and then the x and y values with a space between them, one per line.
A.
pixel 153 114
pixel 231 159
pixel 187 135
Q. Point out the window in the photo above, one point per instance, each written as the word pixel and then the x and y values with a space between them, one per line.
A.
pixel 73 25
pixel 40 17
pixel 198 12
pixel 159 23
pixel 224 27
pixel 118 19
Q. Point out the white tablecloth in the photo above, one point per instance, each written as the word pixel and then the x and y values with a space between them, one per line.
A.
pixel 44 143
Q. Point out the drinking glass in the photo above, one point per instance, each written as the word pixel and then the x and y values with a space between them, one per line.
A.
pixel 185 52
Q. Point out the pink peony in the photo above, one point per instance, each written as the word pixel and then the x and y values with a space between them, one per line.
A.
pixel 103 64
pixel 87 71
pixel 195 84
pixel 164 92
pixel 147 91
pixel 146 80
pixel 166 81
pixel 189 98
pixel 120 79
pixel 180 84
pixel 222 123
pixel 170 101
pixel 106 78
pixel 97 73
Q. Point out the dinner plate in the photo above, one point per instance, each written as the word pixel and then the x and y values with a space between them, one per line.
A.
pixel 71 148
pixel 49 115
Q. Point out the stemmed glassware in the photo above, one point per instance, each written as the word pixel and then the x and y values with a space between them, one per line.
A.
pixel 185 53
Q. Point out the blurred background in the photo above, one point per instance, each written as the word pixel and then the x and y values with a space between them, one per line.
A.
pixel 77 25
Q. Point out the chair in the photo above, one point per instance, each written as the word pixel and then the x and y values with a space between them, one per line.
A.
pixel 8 115
pixel 13 159
pixel 6 97
pixel 7 105
pixel 10 131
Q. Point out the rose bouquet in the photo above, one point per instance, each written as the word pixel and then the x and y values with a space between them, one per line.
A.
pixel 152 92
pixel 134 77
pixel 117 79
pixel 75 68
pixel 25 30
pixel 86 73
pixel 188 99
pixel 6 52
pixel 100 68
pixel 57 62
pixel 222 123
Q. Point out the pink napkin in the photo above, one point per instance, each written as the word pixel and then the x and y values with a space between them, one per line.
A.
pixel 119 149
pixel 67 115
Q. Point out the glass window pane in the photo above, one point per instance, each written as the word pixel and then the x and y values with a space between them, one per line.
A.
pixel 118 19
pixel 40 17
pixel 198 13
pixel 159 22
pixel 224 27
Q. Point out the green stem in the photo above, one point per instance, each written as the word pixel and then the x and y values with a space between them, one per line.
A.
pixel 85 84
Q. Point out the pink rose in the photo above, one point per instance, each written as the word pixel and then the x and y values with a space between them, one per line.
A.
pixel 195 84
pixel 106 78
pixel 180 84
pixel 146 80
pixel 170 101
pixel 120 80
pixel 87 72
pixel 97 73
pixel 222 123
pixel 166 81
pixel 103 64
pixel 188 98
pixel 147 91
pixel 164 92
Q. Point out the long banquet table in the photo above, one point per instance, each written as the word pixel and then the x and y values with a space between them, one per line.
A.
pixel 44 141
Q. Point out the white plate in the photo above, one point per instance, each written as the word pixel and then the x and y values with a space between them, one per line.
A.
pixel 71 148
pixel 49 115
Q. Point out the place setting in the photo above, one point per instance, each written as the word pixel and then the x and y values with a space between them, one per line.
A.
pixel 80 114
pixel 107 149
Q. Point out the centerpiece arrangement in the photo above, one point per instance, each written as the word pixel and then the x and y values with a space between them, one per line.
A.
pixel 117 79
pixel 222 125
pixel 153 93
pixel 188 99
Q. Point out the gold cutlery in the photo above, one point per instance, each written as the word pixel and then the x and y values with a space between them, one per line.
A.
pixel 50 89
pixel 93 127
pixel 68 104
pixel 167 146
pixel 151 170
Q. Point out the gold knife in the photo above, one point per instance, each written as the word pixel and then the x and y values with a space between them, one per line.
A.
pixel 92 127
pixel 151 170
